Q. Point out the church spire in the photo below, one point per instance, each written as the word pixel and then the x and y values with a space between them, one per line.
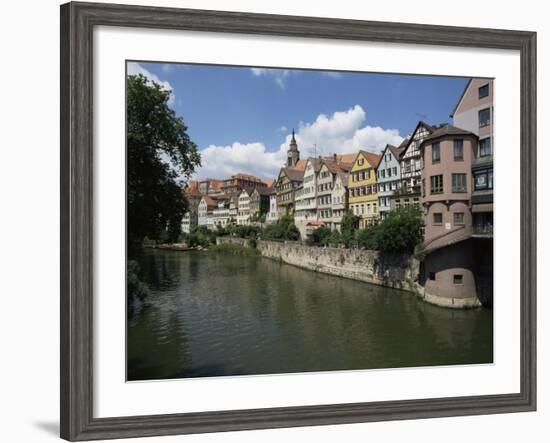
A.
pixel 293 155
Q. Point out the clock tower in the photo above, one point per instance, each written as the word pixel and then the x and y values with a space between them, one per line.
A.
pixel 293 155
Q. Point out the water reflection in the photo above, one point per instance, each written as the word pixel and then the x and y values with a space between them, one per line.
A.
pixel 222 315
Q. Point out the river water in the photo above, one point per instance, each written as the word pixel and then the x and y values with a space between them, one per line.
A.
pixel 213 314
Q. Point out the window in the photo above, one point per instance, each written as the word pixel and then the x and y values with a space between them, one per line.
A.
pixel 459 182
pixel 360 161
pixel 383 173
pixel 484 117
pixel 483 179
pixel 437 218
pixel 436 154
pixel 457 279
pixel 458 218
pixel 485 147
pixel 431 275
pixel 395 170
pixel 458 149
pixel 436 183
pixel 483 91
pixel 397 204
pixel 389 172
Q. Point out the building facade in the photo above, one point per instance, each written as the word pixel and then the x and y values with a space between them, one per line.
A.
pixel 205 208
pixel 306 196
pixel 237 182
pixel 388 177
pixel 339 199
pixel 243 211
pixel 474 112
pixel 447 157
pixel 259 202
pixel 273 214
pixel 221 213
pixel 363 197
pixel 411 169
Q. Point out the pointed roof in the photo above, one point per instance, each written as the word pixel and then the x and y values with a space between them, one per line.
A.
pixel 447 130
pixel 293 146
pixel 192 188
pixel 344 176
pixel 372 158
pixel 294 174
pixel 420 124
pixel 263 190
pixel 211 202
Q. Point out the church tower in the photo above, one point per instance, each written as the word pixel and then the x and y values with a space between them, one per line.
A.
pixel 293 155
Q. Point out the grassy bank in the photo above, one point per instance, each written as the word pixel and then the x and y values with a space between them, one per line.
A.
pixel 232 249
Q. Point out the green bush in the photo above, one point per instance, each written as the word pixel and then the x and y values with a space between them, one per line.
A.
pixel 229 248
pixel 284 229
pixel 400 231
pixel 368 238
pixel 335 239
pixel 320 236
pixel 349 226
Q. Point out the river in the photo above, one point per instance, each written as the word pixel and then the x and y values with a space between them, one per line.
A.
pixel 214 314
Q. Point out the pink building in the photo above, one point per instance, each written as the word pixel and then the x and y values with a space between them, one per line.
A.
pixel 447 157
pixel 450 264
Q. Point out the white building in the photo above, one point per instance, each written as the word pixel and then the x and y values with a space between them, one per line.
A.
pixel 206 206
pixel 388 177
pixel 306 198
pixel 272 215
pixel 326 182
pixel 243 210
pixel 189 221
pixel 221 213
pixel 339 199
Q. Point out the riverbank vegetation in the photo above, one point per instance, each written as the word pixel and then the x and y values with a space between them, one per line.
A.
pixel 400 231
pixel 233 249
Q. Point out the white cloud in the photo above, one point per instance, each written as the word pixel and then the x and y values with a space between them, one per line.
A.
pixel 135 69
pixel 283 129
pixel 341 132
pixel 251 158
pixel 279 75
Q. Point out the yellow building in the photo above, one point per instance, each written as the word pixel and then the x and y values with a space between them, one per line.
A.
pixel 363 197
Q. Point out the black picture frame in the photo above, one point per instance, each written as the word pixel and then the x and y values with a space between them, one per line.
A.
pixel 77 23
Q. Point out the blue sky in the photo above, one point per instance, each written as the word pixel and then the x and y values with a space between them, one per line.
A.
pixel 241 117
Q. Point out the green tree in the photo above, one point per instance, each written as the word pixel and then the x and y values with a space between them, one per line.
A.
pixel 335 239
pixel 350 224
pixel 400 231
pixel 284 229
pixel 368 238
pixel 320 236
pixel 160 155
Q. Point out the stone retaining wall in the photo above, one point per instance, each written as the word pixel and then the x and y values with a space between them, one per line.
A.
pixel 234 241
pixel 392 270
